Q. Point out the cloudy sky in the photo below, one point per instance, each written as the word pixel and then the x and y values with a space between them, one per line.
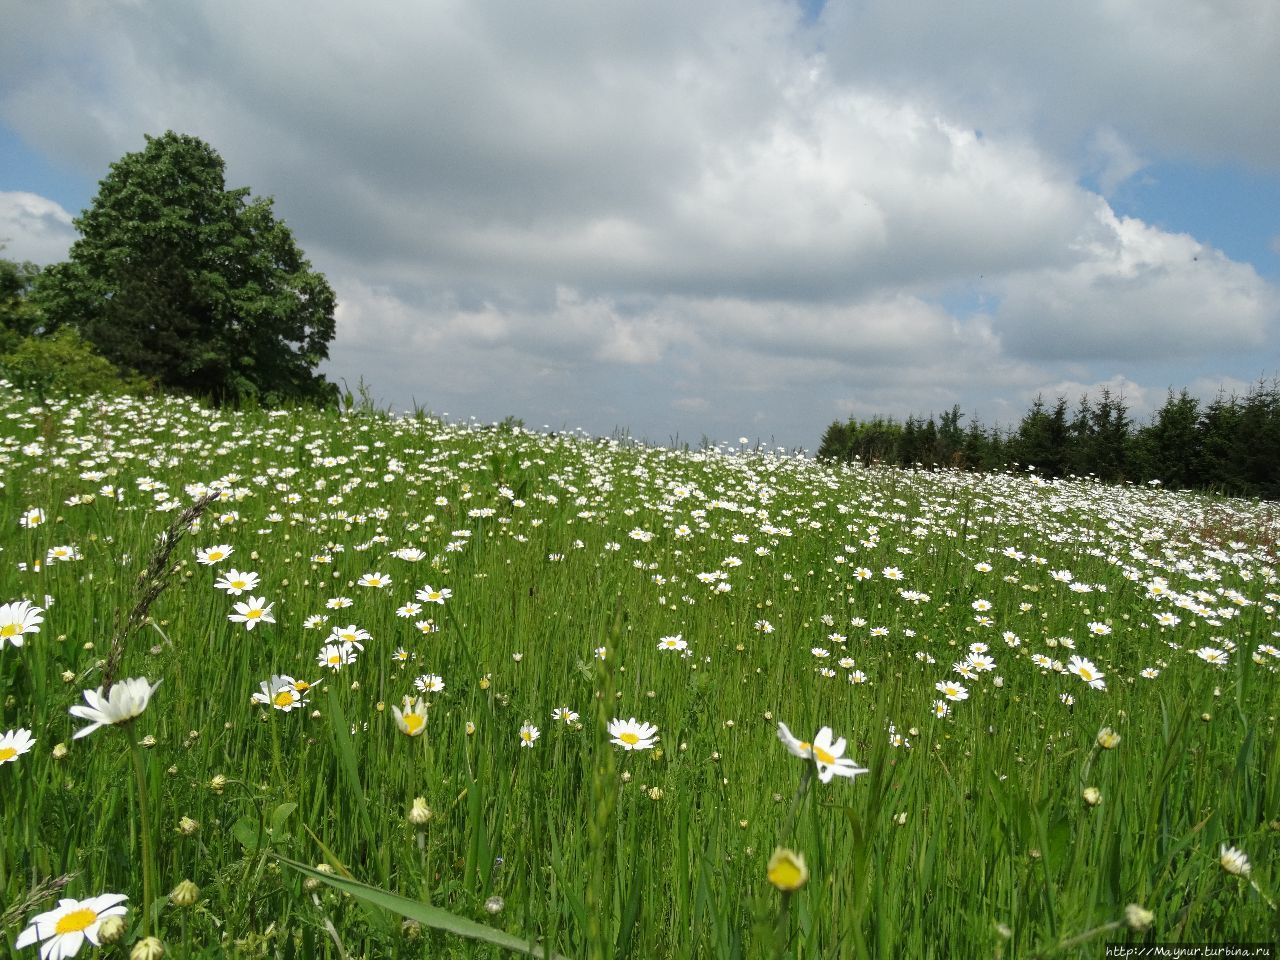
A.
pixel 723 218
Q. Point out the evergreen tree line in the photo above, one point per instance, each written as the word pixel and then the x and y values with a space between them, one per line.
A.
pixel 1230 445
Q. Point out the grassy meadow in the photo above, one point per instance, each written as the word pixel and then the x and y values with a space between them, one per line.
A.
pixel 397 647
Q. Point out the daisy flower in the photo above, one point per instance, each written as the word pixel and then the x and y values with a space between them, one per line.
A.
pixel 1233 861
pixel 235 583
pixel 350 635
pixel 211 555
pixel 126 700
pixel 1086 671
pixel 951 690
pixel 376 580
pixel 280 692
pixel 409 610
pixel 428 594
pixel 335 656
pixel 1219 658
pixel 828 755
pixel 528 734
pixel 17 620
pixel 32 518
pixel 412 720
pixel 62 931
pixel 564 715
pixel 66 553
pixel 673 643
pixel 633 735
pixel 253 612
pixel 430 683
pixel 338 603
pixel 14 743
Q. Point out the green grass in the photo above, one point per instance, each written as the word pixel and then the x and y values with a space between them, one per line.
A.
pixel 973 840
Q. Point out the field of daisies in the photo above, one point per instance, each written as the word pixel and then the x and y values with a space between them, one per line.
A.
pixel 293 684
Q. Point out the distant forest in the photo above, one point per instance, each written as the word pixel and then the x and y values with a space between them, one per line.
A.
pixel 1230 445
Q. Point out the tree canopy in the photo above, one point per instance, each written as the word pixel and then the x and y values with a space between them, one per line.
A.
pixel 196 286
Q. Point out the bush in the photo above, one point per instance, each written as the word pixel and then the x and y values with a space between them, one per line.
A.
pixel 64 363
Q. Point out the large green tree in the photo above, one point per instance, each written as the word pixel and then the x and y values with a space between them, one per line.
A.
pixel 201 288
pixel 18 315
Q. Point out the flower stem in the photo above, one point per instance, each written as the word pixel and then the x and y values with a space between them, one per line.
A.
pixel 140 773
pixel 805 779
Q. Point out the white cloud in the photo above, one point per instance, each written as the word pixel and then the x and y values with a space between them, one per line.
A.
pixel 1138 292
pixel 694 216
pixel 34 228
pixel 1186 77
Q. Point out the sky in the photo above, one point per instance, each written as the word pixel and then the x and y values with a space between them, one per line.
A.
pixel 709 220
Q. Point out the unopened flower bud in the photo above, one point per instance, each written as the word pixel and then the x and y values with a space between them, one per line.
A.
pixel 1137 918
pixel 188 827
pixel 111 929
pixel 420 813
pixel 1108 739
pixel 184 894
pixel 59 751
pixel 1092 796
pixel 148 948
pixel 787 870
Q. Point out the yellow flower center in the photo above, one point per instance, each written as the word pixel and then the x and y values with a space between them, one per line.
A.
pixel 629 737
pixel 215 555
pixel 302 686
pixel 7 753
pixel 413 723
pixel 284 698
pixel 823 756
pixel 335 659
pixel 1086 673
pixel 254 614
pixel 75 921
pixel 9 630
pixel 528 735
pixel 238 584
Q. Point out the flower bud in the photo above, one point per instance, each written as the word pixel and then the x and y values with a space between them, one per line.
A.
pixel 184 894
pixel 188 827
pixel 787 870
pixel 1137 918
pixel 1092 796
pixel 148 948
pixel 111 929
pixel 420 813
pixel 1108 739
